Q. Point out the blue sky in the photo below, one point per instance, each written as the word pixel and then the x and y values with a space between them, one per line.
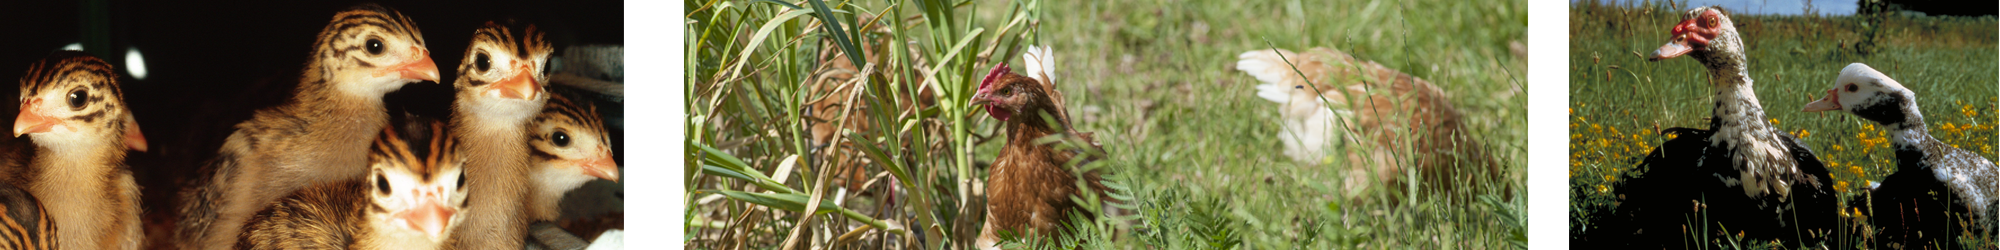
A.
pixel 1780 7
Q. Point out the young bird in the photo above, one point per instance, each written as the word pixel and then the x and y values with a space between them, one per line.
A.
pixel 321 135
pixel 73 110
pixel 23 222
pixel 1030 186
pixel 499 90
pixel 570 149
pixel 411 199
pixel 1935 184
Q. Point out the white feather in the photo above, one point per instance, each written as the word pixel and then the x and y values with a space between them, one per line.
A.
pixel 1274 92
pixel 1040 63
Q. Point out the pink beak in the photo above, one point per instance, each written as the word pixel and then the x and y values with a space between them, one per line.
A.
pixel 601 167
pixel 521 85
pixel 429 216
pixel 31 120
pixel 421 69
pixel 1830 102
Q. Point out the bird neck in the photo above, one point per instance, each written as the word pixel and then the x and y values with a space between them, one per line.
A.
pixel 551 183
pixel 76 164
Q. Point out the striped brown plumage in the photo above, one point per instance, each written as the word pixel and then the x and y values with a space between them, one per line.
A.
pixel 23 222
pixel 321 135
pixel 569 147
pixel 499 89
pixel 73 111
pixel 369 213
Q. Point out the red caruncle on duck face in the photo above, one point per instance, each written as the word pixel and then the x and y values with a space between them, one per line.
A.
pixel 1691 34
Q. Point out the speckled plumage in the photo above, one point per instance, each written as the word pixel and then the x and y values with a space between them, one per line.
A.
pixel 499 90
pixel 1905 203
pixel 321 135
pixel 412 164
pixel 78 170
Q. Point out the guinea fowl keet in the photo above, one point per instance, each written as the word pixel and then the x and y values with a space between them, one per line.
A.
pixel 319 136
pixel 1030 185
pixel 1936 186
pixel 499 89
pixel 410 199
pixel 1333 98
pixel 570 148
pixel 1741 174
pixel 75 114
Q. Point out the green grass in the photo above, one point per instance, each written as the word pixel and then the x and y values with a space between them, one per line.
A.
pixel 1197 151
pixel 1618 99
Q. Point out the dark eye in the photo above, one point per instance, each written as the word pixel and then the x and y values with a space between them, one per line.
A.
pixel 481 62
pixel 461 181
pixel 561 139
pixel 374 46
pixel 76 98
pixel 381 183
pixel 1852 88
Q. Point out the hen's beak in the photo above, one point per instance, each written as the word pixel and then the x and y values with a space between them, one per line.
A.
pixel 422 69
pixel 31 119
pixel 1830 102
pixel 521 85
pixel 980 99
pixel 1675 48
pixel 601 167
pixel 429 216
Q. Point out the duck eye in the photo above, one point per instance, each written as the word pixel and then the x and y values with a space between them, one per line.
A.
pixel 482 62
pixel 1852 88
pixel 76 98
pixel 374 46
pixel 561 139
pixel 381 184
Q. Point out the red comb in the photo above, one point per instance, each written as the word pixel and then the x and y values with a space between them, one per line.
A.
pixel 990 76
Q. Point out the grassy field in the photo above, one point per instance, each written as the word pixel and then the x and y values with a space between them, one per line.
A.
pixel 1618 100
pixel 1194 148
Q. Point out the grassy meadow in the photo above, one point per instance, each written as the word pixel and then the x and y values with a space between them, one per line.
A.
pixel 1195 153
pixel 1618 100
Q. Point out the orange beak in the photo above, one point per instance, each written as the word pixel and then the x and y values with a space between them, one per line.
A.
pixel 601 167
pixel 521 85
pixel 423 68
pixel 428 216
pixel 31 120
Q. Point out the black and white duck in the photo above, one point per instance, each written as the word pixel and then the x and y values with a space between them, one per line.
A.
pixel 1740 176
pixel 1903 204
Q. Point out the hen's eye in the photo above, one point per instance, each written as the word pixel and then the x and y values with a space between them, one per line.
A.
pixel 76 98
pixel 561 139
pixel 481 62
pixel 1851 87
pixel 375 46
pixel 381 184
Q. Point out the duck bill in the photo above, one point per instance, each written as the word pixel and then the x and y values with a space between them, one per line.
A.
pixel 1676 48
pixel 1831 102
pixel 520 86
pixel 31 119
pixel 602 167
pixel 420 69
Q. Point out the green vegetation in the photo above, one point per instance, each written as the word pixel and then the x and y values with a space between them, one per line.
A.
pixel 1196 152
pixel 1618 100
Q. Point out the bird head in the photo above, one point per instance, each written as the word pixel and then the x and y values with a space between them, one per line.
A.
pixel 1697 31
pixel 1869 94
pixel 1005 93
pixel 71 99
pixel 572 145
pixel 371 50
pixel 503 75
pixel 417 179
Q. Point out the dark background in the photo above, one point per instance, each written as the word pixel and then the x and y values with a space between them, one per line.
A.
pixel 211 63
